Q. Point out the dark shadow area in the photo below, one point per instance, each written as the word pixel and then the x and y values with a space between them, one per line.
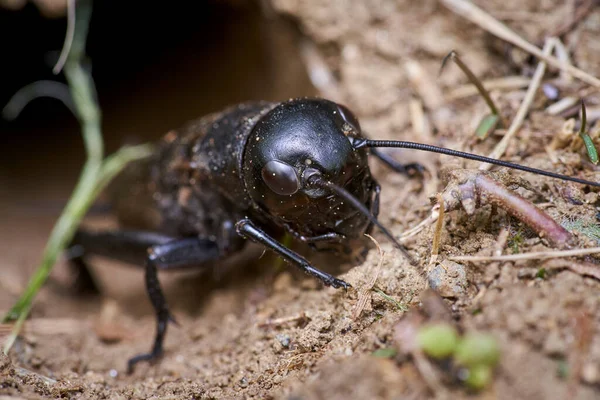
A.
pixel 155 68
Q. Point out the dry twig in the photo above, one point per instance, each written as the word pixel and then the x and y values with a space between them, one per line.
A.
pixel 437 233
pixel 523 109
pixel 501 242
pixel 429 375
pixel 297 319
pixel 433 216
pixel 561 105
pixel 506 83
pixel 582 268
pixel 536 255
pixel 423 84
pixel 469 189
pixel 476 15
pixel 581 12
pixel 419 121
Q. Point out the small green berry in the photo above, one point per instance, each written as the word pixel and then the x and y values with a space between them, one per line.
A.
pixel 479 377
pixel 477 349
pixel 438 340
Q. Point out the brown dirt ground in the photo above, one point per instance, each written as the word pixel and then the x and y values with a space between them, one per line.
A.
pixel 263 331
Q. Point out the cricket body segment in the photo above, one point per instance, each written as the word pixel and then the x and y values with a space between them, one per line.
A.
pixel 243 173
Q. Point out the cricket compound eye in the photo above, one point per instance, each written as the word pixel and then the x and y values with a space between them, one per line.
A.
pixel 280 178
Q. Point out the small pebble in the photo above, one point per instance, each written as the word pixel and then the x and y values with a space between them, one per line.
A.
pixel 284 340
pixel 448 279
pixel 550 91
pixel 590 373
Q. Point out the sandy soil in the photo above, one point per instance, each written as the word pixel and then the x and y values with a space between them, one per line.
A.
pixel 254 329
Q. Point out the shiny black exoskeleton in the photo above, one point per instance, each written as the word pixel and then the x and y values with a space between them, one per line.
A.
pixel 233 175
pixel 300 165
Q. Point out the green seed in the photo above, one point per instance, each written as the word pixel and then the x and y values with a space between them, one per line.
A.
pixel 477 349
pixel 479 377
pixel 437 341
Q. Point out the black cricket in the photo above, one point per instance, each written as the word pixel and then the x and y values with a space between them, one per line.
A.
pixel 299 165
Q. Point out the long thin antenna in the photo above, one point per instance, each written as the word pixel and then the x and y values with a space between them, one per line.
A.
pixel 318 181
pixel 360 143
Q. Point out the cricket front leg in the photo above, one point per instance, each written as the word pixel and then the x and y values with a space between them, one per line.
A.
pixel 248 229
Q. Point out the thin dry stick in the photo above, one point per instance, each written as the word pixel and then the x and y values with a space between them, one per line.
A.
pixel 418 119
pixel 488 23
pixel 563 55
pixel 365 293
pixel 561 105
pixel 425 87
pixel 429 375
pixel 319 72
pixel 435 213
pixel 523 109
pixel 501 242
pixel 539 255
pixel 584 268
pixel 506 83
pixel 437 233
pixel 580 13
pixel 453 55
pixel 283 320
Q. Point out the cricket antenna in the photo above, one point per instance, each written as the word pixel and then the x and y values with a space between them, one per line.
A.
pixel 359 143
pixel 318 181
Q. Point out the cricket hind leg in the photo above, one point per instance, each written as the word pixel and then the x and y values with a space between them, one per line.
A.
pixel 158 252
pixel 127 246
pixel 175 254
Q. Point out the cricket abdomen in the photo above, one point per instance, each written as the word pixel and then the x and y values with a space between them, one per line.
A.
pixel 192 186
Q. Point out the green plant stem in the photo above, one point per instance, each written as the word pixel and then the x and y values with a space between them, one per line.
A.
pixel 88 113
pixel 399 306
pixel 63 231
pixel 587 140
pixel 115 163
pixel 10 340
pixel 453 55
pixel 95 175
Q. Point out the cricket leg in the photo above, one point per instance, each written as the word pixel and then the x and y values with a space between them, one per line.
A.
pixel 248 229
pixel 158 252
